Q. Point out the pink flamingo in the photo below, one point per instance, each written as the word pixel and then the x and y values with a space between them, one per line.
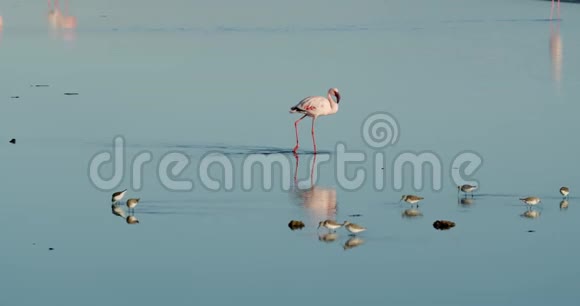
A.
pixel 552 11
pixel 315 106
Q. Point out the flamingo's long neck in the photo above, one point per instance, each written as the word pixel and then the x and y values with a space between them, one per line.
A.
pixel 333 104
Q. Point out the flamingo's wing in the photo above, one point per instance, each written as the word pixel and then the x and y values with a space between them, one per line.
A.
pixel 310 104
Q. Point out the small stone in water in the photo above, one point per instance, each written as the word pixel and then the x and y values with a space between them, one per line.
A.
pixel 443 224
pixel 294 225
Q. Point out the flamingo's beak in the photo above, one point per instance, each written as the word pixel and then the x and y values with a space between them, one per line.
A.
pixel 337 95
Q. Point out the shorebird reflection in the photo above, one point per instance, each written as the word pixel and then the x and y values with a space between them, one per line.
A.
pixel 352 243
pixel 328 237
pixel 411 213
pixel 466 201
pixel 531 214
pixel 132 220
pixel 118 211
pixel 564 205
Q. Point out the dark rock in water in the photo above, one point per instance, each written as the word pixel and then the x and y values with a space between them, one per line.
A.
pixel 294 225
pixel 13 141
pixel 51 249
pixel 71 93
pixel 531 231
pixel 443 224
pixel 15 97
pixel 40 85
pixel 355 215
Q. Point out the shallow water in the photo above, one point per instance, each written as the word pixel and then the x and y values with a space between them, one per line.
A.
pixel 495 78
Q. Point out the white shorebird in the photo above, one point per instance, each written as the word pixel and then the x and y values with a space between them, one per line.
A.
pixel 131 203
pixel 353 228
pixel 315 106
pixel 329 224
pixel 531 200
pixel 466 189
pixel 117 196
pixel 411 199
pixel 564 191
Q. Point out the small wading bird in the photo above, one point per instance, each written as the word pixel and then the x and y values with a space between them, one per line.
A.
pixel 411 199
pixel 131 203
pixel 531 200
pixel 117 196
pixel 329 224
pixel 315 106
pixel 353 228
pixel 564 191
pixel 466 189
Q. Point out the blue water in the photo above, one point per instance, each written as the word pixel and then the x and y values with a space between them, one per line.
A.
pixel 494 78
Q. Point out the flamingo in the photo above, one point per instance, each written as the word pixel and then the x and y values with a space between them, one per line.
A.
pixel 315 106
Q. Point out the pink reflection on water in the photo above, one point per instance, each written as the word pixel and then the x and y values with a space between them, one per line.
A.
pixel 319 202
pixel 556 53
pixel 1 26
pixel 62 24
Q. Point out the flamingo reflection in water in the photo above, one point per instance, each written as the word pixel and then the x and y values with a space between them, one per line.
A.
pixel 1 25
pixel 556 53
pixel 319 202
pixel 59 20
pixel 552 10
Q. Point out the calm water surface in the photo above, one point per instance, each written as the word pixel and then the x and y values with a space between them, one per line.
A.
pixel 492 77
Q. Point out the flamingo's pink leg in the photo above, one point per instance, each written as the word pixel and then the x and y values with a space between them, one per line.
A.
pixel 296 128
pixel 313 138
